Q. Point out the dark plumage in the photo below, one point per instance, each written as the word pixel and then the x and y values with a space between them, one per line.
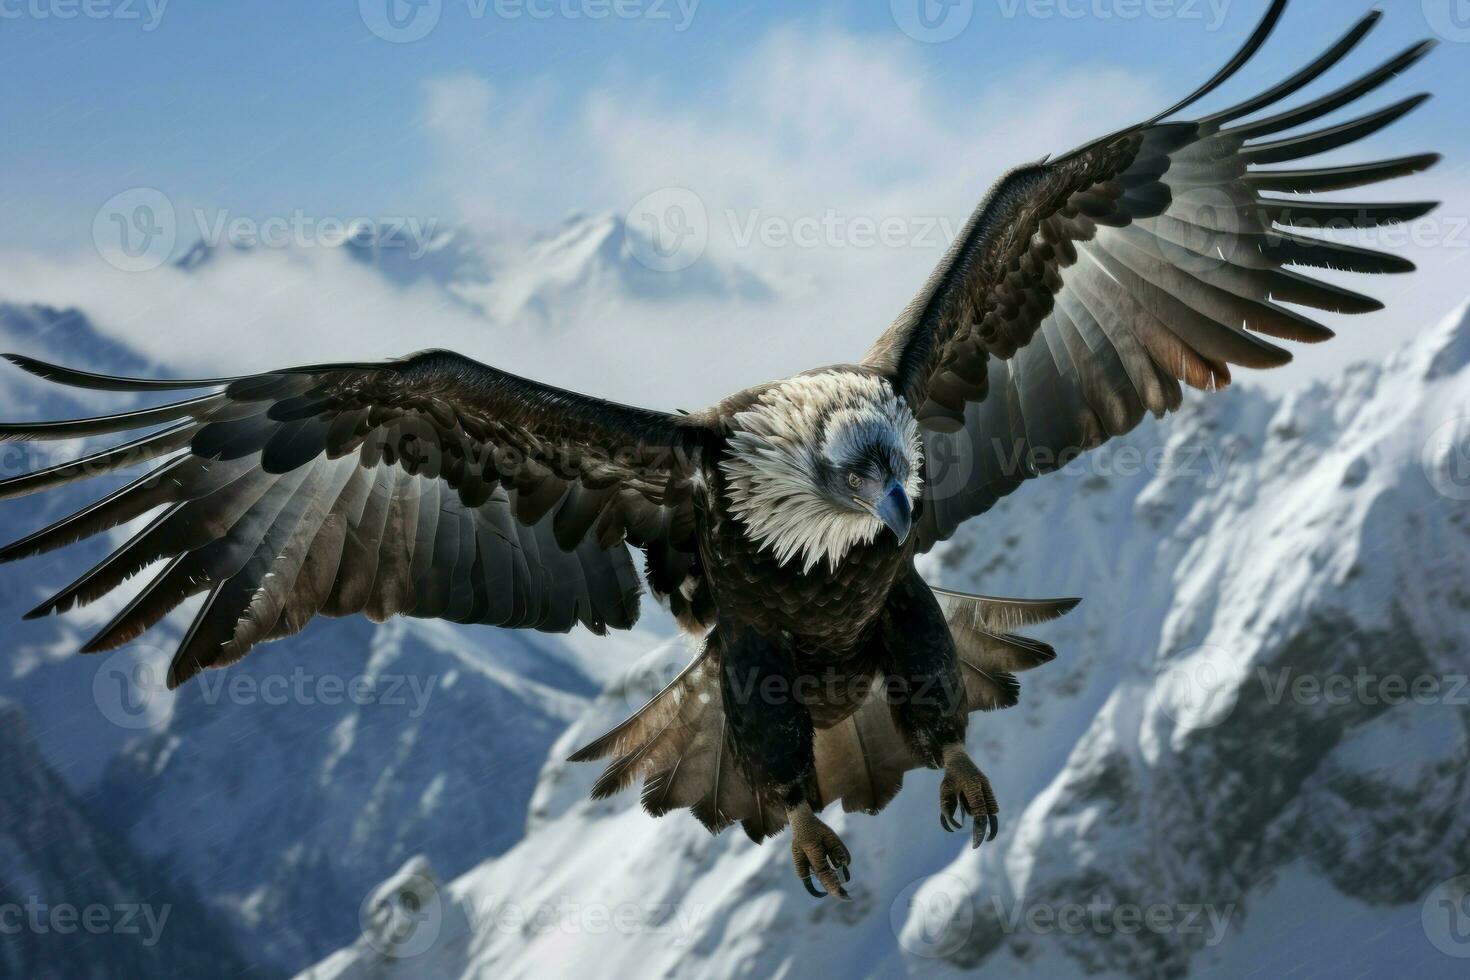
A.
pixel 781 524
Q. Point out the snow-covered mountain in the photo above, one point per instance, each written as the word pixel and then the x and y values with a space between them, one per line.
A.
pixel 573 271
pixel 595 259
pixel 1177 757
pixel 1248 758
pixel 77 900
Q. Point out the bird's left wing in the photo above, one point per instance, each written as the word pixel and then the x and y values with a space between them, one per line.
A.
pixel 431 486
pixel 1084 290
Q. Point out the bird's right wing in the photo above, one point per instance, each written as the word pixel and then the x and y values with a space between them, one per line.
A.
pixel 431 486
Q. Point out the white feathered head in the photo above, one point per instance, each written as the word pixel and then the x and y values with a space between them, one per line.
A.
pixel 824 462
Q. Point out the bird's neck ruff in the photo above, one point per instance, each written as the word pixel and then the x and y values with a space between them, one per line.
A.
pixel 780 445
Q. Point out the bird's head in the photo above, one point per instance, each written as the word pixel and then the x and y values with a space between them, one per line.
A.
pixel 824 462
pixel 864 467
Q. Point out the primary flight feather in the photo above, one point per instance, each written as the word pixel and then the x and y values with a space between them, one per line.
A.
pixel 781 524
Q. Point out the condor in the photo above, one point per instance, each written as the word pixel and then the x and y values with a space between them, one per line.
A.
pixel 781 524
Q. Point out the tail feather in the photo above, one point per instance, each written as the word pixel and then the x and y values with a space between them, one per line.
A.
pixel 862 759
pixel 999 615
pixel 678 742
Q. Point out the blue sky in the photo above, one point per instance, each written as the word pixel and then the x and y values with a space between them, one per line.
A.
pixel 506 115
pixel 268 106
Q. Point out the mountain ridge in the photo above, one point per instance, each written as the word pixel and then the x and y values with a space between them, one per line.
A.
pixel 1170 757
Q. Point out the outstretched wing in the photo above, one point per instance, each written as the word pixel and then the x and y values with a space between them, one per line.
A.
pixel 431 486
pixel 1084 290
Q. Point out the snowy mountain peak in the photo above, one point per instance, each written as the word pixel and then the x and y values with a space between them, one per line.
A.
pixel 586 263
pixel 582 239
pixel 1445 350
pixel 593 260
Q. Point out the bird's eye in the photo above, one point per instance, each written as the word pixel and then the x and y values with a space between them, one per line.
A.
pixel 854 481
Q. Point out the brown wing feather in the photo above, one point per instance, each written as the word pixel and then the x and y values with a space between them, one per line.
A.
pixel 1082 291
pixel 430 486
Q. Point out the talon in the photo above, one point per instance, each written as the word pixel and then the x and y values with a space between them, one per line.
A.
pixel 816 850
pixel 966 790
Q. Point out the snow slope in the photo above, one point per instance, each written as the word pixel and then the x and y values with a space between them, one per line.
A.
pixel 1248 757
pixel 76 900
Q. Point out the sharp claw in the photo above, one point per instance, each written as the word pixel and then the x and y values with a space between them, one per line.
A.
pixel 967 790
pixel 819 856
pixel 833 886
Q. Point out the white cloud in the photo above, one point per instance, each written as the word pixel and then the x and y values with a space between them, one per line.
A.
pixel 807 125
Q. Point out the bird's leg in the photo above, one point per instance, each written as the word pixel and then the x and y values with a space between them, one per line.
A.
pixel 817 850
pixel 771 732
pixel 967 789
pixel 927 694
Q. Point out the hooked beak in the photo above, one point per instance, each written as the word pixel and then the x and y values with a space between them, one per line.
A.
pixel 895 511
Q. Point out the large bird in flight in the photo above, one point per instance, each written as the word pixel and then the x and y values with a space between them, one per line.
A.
pixel 781 524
